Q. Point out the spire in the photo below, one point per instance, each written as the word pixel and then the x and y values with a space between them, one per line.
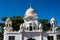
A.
pixel 52 17
pixel 30 6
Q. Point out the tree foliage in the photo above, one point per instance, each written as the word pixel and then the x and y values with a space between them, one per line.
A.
pixel 45 24
pixel 16 21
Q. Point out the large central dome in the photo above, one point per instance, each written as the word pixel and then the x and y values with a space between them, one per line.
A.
pixel 30 11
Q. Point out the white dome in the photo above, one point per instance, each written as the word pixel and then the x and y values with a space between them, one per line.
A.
pixel 53 19
pixel 30 11
pixel 8 19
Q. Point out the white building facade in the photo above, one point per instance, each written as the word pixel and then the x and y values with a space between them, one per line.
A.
pixel 30 29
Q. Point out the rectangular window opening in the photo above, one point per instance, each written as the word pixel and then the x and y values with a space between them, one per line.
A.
pixel 11 37
pixel 50 38
pixel 58 37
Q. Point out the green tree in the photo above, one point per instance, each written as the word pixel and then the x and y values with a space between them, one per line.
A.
pixel 45 24
pixel 17 20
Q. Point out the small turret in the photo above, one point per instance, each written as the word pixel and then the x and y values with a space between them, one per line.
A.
pixel 53 23
pixel 8 22
pixel 8 25
pixel 53 20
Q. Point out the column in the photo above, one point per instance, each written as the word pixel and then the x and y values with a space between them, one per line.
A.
pixel 5 37
pixel 20 36
pixel 55 37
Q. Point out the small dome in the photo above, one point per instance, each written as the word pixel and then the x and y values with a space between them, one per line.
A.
pixel 8 19
pixel 30 11
pixel 53 19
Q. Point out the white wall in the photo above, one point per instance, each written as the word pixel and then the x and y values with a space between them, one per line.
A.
pixel 45 35
pixel 54 36
pixel 17 36
pixel 27 35
pixel 31 35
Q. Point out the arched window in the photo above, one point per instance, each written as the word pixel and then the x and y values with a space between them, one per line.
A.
pixel 30 26
pixel 9 25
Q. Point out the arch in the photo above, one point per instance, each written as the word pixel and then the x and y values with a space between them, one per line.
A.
pixel 31 39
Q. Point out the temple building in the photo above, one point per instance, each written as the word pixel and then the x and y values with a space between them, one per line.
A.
pixel 30 29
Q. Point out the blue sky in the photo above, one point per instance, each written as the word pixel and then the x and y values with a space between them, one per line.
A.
pixel 44 8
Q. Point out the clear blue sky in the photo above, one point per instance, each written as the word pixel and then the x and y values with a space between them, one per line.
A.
pixel 44 8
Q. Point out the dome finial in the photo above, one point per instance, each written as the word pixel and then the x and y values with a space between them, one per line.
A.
pixel 30 6
pixel 52 17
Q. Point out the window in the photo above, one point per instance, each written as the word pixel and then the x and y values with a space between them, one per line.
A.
pixel 50 37
pixel 58 37
pixel 11 37
pixel 9 25
pixel 6 25
pixel 30 28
